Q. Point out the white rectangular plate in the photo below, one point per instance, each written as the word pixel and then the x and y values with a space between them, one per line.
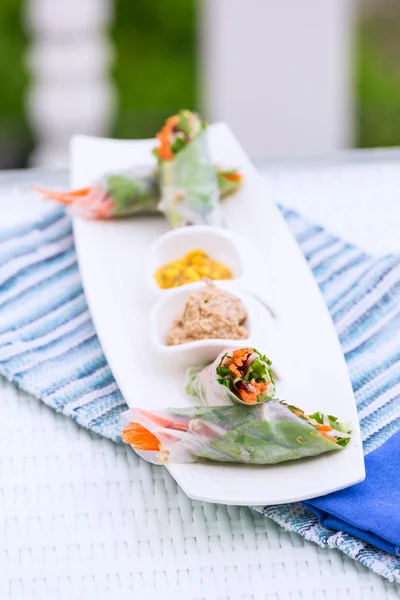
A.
pixel 112 264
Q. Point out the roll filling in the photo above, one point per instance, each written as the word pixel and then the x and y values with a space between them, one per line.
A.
pixel 241 375
pixel 261 434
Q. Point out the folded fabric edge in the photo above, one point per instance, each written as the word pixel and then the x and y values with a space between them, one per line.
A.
pixel 376 560
pixel 339 525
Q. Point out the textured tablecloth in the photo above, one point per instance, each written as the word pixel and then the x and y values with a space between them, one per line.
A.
pixel 78 523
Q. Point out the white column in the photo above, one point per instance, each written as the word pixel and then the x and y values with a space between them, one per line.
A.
pixel 69 59
pixel 279 72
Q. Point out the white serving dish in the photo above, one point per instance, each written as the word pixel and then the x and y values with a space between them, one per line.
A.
pixel 111 261
pixel 171 305
pixel 220 244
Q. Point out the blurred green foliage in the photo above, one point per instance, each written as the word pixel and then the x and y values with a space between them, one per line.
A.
pixel 155 70
pixel 14 136
pixel 155 67
pixel 12 71
pixel 378 82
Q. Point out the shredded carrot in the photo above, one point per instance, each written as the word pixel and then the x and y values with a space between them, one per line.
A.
pixel 139 437
pixel 164 149
pixel 248 397
pixel 239 361
pixel 301 414
pixel 236 176
pixel 232 367
pixel 240 356
pixel 63 197
pixel 323 427
pixel 241 352
pixel 259 385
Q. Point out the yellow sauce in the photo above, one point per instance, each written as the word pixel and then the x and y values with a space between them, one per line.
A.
pixel 195 266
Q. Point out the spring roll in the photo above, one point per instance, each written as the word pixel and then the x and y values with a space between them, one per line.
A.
pixel 115 195
pixel 236 376
pixel 188 181
pixel 262 434
pixel 129 193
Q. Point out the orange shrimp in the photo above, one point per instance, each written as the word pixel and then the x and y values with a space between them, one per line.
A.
pixel 166 423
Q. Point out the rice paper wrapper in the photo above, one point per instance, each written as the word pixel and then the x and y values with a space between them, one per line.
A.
pixel 122 194
pixel 202 386
pixel 263 434
pixel 189 186
pixel 133 191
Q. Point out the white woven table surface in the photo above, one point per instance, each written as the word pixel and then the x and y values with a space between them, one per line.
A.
pixel 81 517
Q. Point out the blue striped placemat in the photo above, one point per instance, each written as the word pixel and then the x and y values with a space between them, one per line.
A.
pixel 48 345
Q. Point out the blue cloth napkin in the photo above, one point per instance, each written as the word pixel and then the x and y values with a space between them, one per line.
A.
pixel 49 347
pixel 369 510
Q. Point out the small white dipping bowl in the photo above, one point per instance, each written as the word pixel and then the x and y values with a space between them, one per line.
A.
pixel 260 326
pixel 220 244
